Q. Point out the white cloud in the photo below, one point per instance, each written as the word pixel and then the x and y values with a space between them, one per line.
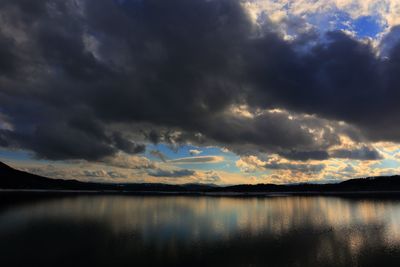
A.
pixel 195 152
pixel 387 11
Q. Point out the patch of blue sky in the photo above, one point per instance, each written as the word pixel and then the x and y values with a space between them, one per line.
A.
pixel 166 150
pixel 15 155
pixel 228 164
pixel 368 26
pixel 330 21
pixel 386 164
pixel 184 151
pixel 362 27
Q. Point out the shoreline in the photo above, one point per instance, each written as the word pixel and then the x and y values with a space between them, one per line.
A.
pixel 54 192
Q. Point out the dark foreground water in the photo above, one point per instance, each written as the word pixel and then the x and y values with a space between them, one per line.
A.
pixel 200 231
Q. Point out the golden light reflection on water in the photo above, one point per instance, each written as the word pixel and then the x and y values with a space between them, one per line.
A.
pixel 273 231
pixel 196 218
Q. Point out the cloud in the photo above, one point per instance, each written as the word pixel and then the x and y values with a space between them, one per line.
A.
pixel 348 169
pixel 198 159
pixel 304 168
pixel 170 173
pixel 89 173
pixel 306 155
pixel 325 13
pixel 363 153
pixel 47 170
pixel 96 173
pixel 114 174
pixel 122 160
pixel 209 177
pixel 101 173
pixel 127 145
pixel 251 164
pixel 158 154
pixel 94 79
pixel 195 152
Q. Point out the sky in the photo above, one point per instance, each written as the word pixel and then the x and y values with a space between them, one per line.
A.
pixel 202 91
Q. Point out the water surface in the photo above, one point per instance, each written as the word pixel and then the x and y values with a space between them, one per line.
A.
pixel 200 231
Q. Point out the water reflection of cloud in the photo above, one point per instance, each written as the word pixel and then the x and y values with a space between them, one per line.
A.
pixel 193 218
pixel 309 231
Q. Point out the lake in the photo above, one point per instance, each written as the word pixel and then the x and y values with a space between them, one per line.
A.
pixel 124 230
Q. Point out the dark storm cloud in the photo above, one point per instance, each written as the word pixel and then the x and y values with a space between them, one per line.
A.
pixel 169 63
pixel 306 168
pixel 306 155
pixel 338 78
pixel 363 153
pixel 72 70
pixel 8 57
pixel 4 140
pixel 153 136
pixel 126 145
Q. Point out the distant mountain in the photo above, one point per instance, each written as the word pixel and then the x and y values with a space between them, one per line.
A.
pixel 14 179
